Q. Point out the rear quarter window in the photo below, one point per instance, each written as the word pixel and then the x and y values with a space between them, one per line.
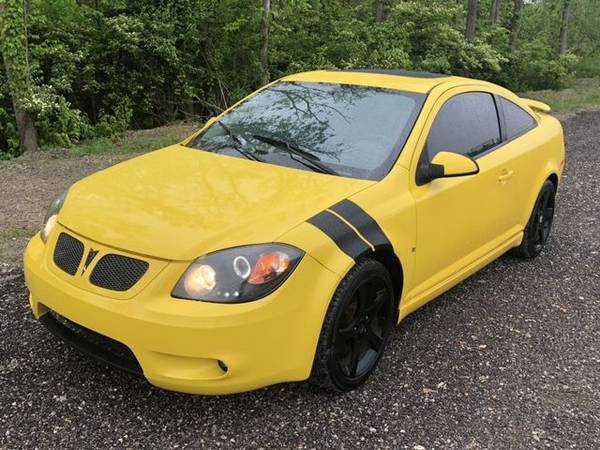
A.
pixel 517 120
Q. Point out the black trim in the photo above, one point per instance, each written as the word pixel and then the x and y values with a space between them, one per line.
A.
pixel 363 222
pixel 88 342
pixel 341 233
pixel 400 73
pixel 501 118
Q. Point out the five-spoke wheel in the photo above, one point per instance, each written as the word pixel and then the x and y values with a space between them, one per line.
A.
pixel 538 228
pixel 358 324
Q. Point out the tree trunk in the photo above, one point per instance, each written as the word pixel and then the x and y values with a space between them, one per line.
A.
pixel 265 30
pixel 515 23
pixel 564 28
pixel 28 136
pixel 379 7
pixel 13 42
pixel 494 12
pixel 471 21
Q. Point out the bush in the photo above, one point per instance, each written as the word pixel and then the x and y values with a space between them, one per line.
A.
pixel 533 66
pixel 58 123
pixel 115 123
pixel 9 137
pixel 588 67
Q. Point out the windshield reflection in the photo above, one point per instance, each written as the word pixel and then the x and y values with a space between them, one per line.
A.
pixel 357 131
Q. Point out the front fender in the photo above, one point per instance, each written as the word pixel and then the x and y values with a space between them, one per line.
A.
pixel 379 219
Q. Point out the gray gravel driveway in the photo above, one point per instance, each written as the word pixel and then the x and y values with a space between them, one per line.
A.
pixel 508 359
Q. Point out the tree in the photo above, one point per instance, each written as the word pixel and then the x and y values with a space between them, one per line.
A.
pixel 13 44
pixel 265 28
pixel 379 6
pixel 81 69
pixel 564 28
pixel 471 20
pixel 515 23
pixel 494 11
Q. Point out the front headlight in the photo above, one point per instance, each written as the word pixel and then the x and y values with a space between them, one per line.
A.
pixel 239 274
pixel 52 216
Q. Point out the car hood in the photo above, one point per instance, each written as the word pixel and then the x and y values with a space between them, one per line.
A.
pixel 180 203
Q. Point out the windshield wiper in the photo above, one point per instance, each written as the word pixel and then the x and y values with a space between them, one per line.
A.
pixel 298 154
pixel 239 144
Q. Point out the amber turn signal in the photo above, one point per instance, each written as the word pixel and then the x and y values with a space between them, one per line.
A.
pixel 268 267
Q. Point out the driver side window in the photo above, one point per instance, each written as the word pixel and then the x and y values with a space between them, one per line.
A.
pixel 467 124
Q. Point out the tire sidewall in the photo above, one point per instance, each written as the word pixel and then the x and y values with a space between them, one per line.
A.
pixel 344 295
pixel 531 248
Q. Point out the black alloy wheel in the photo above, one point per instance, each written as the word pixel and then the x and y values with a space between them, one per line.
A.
pixel 540 223
pixel 356 329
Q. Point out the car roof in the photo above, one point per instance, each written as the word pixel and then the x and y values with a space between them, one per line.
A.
pixel 421 82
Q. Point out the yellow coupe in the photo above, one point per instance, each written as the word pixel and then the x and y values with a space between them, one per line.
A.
pixel 285 239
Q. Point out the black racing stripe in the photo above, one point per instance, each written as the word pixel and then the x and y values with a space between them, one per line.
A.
pixel 362 221
pixel 343 235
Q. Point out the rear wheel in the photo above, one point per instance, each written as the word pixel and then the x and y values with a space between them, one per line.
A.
pixel 356 328
pixel 538 229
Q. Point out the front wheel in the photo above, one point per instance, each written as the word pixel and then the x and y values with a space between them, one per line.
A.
pixel 538 228
pixel 356 328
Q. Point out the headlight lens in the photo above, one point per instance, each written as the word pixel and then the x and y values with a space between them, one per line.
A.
pixel 238 275
pixel 52 216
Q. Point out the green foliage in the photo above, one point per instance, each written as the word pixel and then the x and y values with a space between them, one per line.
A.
pixel 100 67
pixel 533 66
pixel 9 137
pixel 588 67
pixel 13 47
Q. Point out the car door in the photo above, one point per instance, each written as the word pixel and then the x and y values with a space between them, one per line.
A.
pixel 460 220
pixel 527 147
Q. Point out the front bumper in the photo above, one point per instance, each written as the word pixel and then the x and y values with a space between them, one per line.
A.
pixel 178 344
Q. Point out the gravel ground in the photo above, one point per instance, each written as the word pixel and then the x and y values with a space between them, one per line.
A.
pixel 508 359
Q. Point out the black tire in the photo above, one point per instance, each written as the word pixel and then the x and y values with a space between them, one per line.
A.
pixel 538 228
pixel 356 329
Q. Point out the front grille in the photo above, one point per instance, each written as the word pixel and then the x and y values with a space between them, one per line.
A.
pixel 94 344
pixel 68 253
pixel 118 272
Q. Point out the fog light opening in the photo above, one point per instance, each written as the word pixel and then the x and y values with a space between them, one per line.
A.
pixel 223 366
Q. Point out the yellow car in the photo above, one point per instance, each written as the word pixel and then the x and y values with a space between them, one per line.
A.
pixel 284 240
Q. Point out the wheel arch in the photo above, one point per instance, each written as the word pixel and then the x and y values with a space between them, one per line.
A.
pixel 388 258
pixel 554 179
pixel 548 175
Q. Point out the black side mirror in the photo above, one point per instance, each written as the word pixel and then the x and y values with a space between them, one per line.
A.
pixel 428 172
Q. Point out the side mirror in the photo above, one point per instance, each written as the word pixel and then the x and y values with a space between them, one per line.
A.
pixel 446 165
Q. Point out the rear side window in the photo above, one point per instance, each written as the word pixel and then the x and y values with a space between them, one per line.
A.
pixel 517 120
pixel 467 124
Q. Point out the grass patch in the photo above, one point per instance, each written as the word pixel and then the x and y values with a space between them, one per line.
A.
pixel 14 233
pixel 135 141
pixel 584 93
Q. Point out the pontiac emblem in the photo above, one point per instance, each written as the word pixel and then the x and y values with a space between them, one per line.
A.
pixel 88 260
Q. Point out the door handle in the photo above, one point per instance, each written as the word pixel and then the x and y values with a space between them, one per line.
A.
pixel 505 175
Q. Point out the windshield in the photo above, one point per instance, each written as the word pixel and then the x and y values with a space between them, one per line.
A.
pixel 354 131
